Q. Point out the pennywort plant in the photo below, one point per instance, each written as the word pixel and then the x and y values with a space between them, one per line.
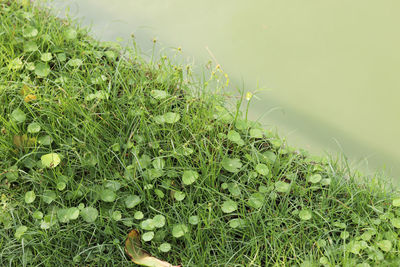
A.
pixel 107 152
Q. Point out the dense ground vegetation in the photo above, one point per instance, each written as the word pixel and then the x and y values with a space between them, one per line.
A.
pixel 95 141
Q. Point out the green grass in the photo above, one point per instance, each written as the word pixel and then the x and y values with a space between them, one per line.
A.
pixel 142 138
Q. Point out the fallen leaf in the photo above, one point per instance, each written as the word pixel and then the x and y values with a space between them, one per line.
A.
pixel 17 140
pixel 138 255
pixel 22 141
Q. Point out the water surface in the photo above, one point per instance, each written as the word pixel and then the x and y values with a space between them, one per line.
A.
pixel 331 68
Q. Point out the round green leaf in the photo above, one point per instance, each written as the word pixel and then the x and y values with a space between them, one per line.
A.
pixel 234 189
pixel 107 195
pixel 48 221
pixel 116 215
pixel 316 178
pixel 269 157
pixel 138 215
pixel 62 57
pixel 256 200
pixel 75 62
pixel 15 64
pixel 112 185
pixel 159 221
pixel 160 119
pixel 194 220
pixel 229 206
pixel 116 147
pixel 158 94
pixel 256 133
pixel 324 261
pixel 148 236
pixel 231 165
pixel 158 163
pixel 30 66
pixel 49 196
pixel 263 189
pixel 61 186
pixel 189 177
pixel 152 174
pixel 46 57
pixel 321 243
pixel 62 215
pixel 148 225
pixel 326 181
pixel 110 55
pixel 30 32
pixel 20 231
pixel 132 201
pixel 30 47
pixel 282 187
pixel 171 117
pixel 185 151
pixel 366 236
pixel 262 169
pixel 179 196
pixel 18 115
pixel 344 235
pixel 237 223
pixel 354 247
pixel 165 247
pixel 89 214
pixel 159 193
pixel 70 34
pixel 33 127
pixel 30 196
pixel 385 245
pixel 45 140
pixel 395 222
pixel 305 215
pixel 340 225
pixel 148 186
pixel 241 124
pixel 50 160
pixel 144 161
pixel 179 230
pixel 37 215
pixel 42 69
pixel 73 213
pixel 234 136
pixel 396 202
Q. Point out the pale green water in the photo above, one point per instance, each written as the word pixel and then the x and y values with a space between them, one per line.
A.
pixel 331 67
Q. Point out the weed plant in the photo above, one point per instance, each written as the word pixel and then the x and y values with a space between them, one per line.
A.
pixel 96 141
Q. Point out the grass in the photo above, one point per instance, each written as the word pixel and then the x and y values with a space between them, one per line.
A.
pixel 96 141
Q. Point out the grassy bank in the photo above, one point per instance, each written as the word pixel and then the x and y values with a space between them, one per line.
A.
pixel 96 141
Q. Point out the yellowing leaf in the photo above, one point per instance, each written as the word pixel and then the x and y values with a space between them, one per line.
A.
pixel 23 141
pixel 50 160
pixel 25 90
pixel 28 93
pixel 29 98
pixel 17 141
pixel 139 256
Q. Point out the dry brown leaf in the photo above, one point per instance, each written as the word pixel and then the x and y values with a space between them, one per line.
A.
pixel 139 256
